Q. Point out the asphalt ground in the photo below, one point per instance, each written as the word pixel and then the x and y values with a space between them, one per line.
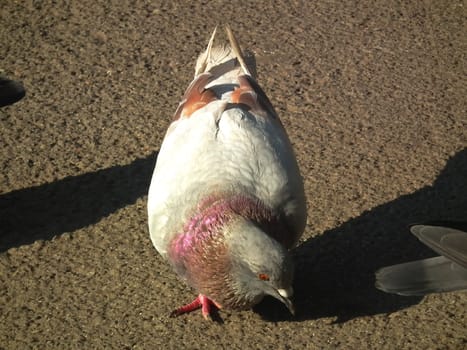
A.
pixel 373 96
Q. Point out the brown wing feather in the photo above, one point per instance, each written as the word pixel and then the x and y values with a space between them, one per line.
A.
pixel 249 93
pixel 196 96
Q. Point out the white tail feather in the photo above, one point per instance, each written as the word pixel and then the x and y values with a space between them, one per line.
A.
pixel 216 56
pixel 237 50
pixel 206 57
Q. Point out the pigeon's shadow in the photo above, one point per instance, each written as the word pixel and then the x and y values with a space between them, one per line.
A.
pixel 335 270
pixel 42 212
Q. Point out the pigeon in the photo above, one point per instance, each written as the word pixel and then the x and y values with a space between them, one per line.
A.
pixel 434 275
pixel 226 200
pixel 11 91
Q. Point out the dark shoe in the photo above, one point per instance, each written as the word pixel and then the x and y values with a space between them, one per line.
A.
pixel 10 91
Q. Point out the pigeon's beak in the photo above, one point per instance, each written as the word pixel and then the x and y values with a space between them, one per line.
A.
pixel 284 295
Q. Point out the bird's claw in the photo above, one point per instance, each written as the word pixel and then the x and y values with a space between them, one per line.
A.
pixel 202 302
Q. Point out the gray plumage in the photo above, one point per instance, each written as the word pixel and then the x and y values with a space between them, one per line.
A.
pixel 434 275
pixel 226 200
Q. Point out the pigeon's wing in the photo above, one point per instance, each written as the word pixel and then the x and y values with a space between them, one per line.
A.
pixel 449 242
pixel 225 137
pixel 422 277
pixel 440 274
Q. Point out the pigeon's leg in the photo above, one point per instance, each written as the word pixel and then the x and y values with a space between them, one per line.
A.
pixel 202 302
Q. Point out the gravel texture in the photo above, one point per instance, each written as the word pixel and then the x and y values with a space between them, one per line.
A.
pixel 373 96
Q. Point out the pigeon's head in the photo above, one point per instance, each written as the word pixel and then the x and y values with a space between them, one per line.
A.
pixel 260 265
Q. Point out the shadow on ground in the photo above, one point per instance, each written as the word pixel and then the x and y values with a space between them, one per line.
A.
pixel 335 271
pixel 74 202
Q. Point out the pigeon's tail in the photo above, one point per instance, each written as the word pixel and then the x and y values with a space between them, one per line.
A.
pixel 237 51
pixel 422 277
pixel 206 56
pixel 219 60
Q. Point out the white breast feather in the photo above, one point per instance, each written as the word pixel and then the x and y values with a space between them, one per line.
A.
pixel 201 154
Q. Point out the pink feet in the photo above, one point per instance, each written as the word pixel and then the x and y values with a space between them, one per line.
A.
pixel 202 302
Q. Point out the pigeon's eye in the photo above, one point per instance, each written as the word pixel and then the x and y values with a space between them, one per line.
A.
pixel 263 277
